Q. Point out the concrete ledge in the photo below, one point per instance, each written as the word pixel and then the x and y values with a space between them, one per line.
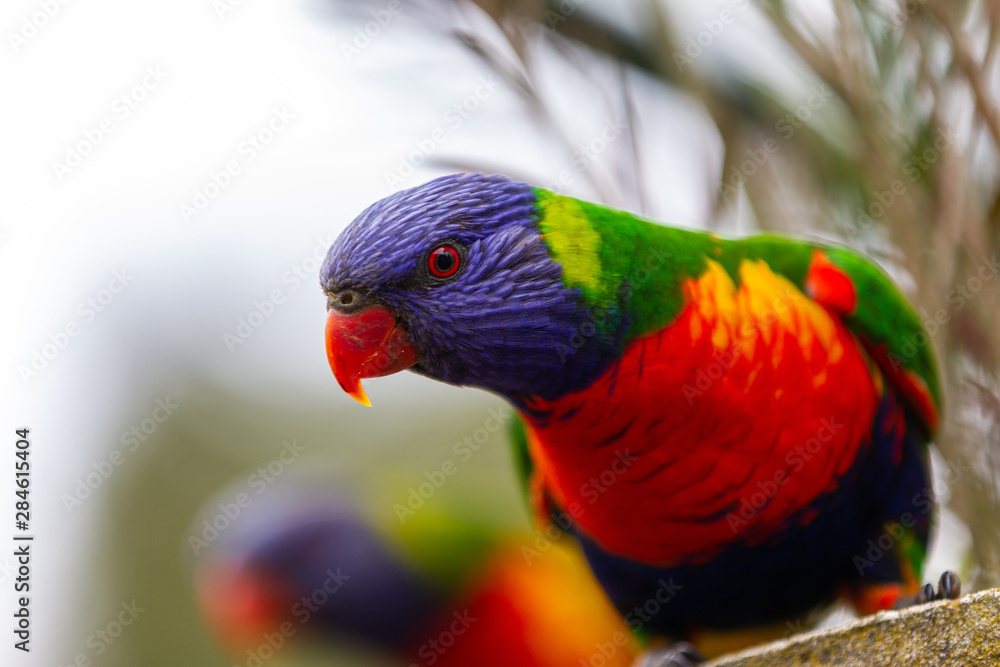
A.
pixel 963 632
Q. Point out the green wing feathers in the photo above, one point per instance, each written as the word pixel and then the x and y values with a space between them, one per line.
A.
pixel 522 458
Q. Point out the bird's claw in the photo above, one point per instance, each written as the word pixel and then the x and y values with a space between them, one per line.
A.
pixel 949 588
pixel 925 594
pixel 681 654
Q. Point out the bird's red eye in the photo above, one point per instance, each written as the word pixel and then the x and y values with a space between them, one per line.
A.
pixel 443 262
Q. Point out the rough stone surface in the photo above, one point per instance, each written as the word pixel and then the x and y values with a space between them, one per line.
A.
pixel 963 632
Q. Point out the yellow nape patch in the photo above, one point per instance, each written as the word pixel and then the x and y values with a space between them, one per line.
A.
pixel 766 306
pixel 574 243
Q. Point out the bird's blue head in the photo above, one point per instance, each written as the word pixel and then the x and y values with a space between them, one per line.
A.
pixel 455 280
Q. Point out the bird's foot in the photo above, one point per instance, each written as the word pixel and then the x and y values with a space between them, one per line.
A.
pixel 949 588
pixel 681 654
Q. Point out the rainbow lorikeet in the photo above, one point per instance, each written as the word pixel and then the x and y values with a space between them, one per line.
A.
pixel 316 582
pixel 747 419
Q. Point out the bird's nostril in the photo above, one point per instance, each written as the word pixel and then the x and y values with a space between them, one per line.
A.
pixel 346 300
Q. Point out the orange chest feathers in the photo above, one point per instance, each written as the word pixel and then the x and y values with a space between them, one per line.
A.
pixel 716 429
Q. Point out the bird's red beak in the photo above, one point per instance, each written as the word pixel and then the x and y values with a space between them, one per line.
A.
pixel 366 344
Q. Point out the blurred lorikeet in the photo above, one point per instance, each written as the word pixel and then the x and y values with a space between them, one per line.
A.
pixel 328 584
pixel 745 420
